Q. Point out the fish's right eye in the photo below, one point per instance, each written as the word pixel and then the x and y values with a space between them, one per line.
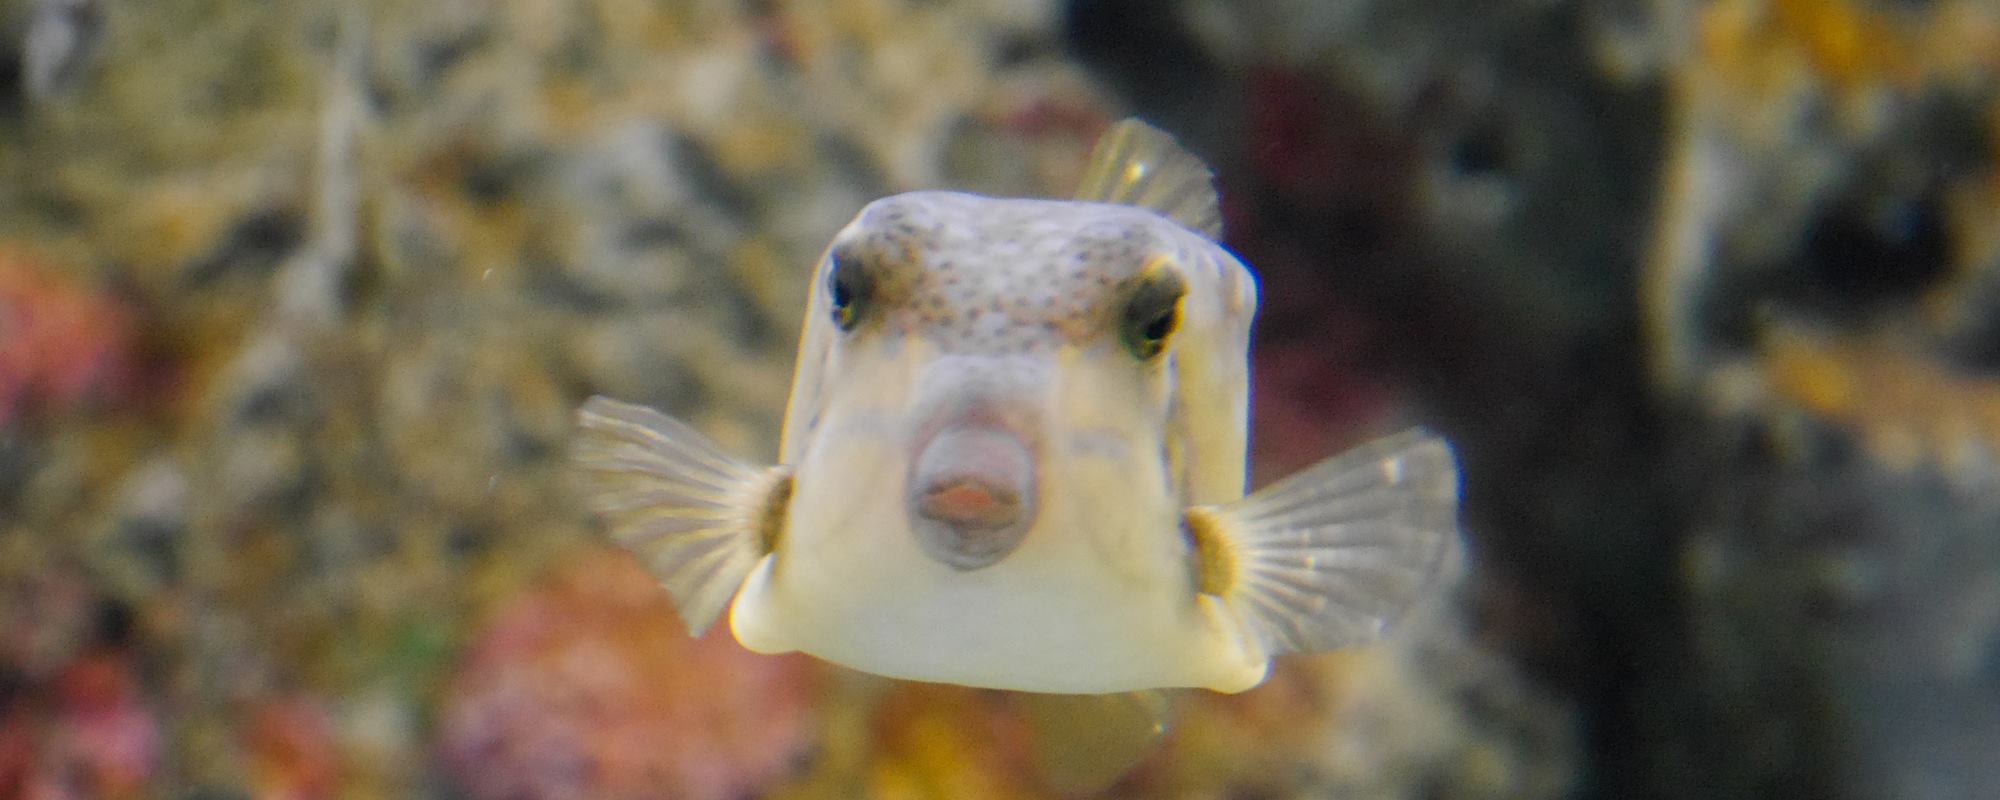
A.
pixel 1152 312
pixel 848 287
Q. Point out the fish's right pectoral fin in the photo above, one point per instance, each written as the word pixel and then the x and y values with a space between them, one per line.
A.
pixel 1330 556
pixel 699 519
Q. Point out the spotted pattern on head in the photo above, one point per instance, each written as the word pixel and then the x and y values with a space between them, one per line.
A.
pixel 989 275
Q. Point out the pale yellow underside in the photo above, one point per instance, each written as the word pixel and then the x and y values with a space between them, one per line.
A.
pixel 1098 598
pixel 1049 618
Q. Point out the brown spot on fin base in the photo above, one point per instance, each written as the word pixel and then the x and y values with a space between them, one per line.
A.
pixel 1214 555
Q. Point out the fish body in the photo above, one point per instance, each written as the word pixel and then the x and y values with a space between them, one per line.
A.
pixel 1014 458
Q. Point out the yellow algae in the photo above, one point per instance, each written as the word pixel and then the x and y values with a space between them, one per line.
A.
pixel 1907 408
pixel 1848 45
pixel 1814 379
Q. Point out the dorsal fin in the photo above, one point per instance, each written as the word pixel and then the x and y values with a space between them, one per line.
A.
pixel 1137 164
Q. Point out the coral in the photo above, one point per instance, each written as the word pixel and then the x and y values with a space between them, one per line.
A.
pixel 60 343
pixel 293 752
pixel 587 686
pixel 94 736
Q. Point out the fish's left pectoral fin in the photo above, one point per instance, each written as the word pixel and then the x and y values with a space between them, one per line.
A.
pixel 1083 743
pixel 699 519
pixel 1332 555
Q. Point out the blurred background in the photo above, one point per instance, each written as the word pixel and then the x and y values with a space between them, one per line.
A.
pixel 297 298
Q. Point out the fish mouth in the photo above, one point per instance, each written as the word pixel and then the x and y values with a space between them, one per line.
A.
pixel 971 495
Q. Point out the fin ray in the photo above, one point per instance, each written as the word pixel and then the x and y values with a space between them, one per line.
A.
pixel 612 466
pixel 685 500
pixel 1137 164
pixel 634 499
pixel 643 430
pixel 691 513
pixel 642 532
pixel 1331 555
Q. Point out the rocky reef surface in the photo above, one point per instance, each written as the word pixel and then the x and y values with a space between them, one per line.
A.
pixel 1703 292
pixel 296 299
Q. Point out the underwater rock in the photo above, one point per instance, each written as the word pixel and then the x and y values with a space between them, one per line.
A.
pixel 1703 293
pixel 1823 281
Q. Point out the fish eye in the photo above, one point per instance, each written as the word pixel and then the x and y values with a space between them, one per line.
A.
pixel 1152 312
pixel 848 286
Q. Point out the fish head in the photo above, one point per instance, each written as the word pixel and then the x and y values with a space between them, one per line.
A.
pixel 961 353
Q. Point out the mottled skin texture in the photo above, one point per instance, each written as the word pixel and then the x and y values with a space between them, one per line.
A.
pixel 1005 315
pixel 979 276
pixel 990 276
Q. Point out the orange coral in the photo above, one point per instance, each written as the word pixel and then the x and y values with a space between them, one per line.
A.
pixel 292 751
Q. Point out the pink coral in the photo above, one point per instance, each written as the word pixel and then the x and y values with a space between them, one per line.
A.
pixel 96 738
pixel 588 686
pixel 58 341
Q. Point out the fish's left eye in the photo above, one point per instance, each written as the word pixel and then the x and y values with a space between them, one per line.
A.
pixel 848 287
pixel 1151 315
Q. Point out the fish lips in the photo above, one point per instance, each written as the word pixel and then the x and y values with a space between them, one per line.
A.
pixel 971 493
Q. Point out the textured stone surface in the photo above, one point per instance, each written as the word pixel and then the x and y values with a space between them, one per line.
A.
pixel 1702 291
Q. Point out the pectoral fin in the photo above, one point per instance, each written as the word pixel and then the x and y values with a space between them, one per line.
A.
pixel 1086 742
pixel 1331 555
pixel 699 519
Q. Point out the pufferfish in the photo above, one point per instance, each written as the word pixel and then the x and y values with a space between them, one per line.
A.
pixel 1014 458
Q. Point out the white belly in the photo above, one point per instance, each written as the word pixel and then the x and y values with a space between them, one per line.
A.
pixel 1070 611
